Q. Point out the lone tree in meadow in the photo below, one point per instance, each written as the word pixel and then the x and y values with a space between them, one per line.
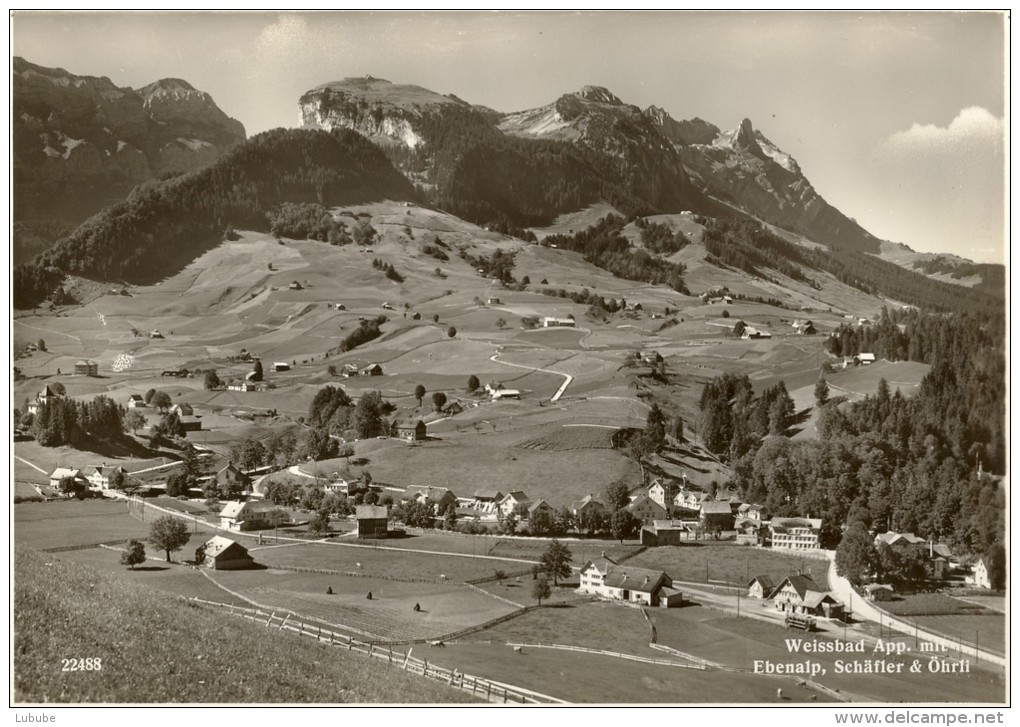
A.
pixel 257 371
pixel 439 400
pixel 133 555
pixel 419 393
pixel 451 331
pixel 168 534
pixel 540 589
pixel 473 383
pixel 556 561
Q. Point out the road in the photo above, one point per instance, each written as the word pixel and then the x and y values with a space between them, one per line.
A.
pixel 33 466
pixel 567 378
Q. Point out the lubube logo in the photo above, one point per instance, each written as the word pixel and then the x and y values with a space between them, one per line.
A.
pixel 35 718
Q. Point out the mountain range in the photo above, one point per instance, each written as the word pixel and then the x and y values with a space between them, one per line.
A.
pixel 506 171
pixel 81 143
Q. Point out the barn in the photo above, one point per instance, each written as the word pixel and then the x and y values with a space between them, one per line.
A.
pixel 372 521
pixel 225 554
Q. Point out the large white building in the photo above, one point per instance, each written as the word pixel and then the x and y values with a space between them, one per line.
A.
pixel 795 533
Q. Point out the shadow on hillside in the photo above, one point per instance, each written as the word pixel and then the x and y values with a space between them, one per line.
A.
pixel 121 448
pixel 801 416
pixel 150 568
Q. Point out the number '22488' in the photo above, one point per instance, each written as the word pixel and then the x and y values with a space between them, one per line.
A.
pixel 87 664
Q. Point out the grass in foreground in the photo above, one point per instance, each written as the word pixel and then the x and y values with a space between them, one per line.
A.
pixel 156 648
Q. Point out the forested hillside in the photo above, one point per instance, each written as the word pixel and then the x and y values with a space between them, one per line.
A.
pixel 163 225
pixel 892 462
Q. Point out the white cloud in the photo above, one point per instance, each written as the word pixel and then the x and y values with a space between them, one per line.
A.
pixel 284 36
pixel 974 128
pixel 941 188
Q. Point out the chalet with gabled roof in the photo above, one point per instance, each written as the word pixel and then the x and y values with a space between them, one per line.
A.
pixel 646 510
pixel 800 594
pixel 605 578
pixel 515 501
pixel 221 553
pixel 249 515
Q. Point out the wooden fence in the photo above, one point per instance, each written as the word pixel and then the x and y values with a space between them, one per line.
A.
pixel 615 654
pixel 488 689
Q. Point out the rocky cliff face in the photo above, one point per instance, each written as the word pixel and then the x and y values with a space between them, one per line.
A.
pixel 81 143
pixel 385 112
pixel 746 169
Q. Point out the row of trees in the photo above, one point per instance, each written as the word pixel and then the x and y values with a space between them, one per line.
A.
pixel 63 421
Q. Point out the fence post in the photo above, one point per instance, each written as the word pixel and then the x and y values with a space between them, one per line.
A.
pixel 269 620
pixel 488 693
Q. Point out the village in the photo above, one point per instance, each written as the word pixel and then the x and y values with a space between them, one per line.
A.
pixel 470 473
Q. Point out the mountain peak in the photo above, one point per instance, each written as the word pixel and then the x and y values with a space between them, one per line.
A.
pixel 598 94
pixel 745 138
pixel 167 85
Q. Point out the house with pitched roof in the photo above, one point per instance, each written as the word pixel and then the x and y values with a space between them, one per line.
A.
pixel 801 594
pixel 540 506
pixel 372 521
pixel 587 504
pixel 411 432
pixel 439 497
pixel 667 532
pixel 487 500
pixel 663 492
pixel 61 472
pixel 716 516
pixel 760 587
pixel 646 510
pixel 225 554
pixel 515 501
pixel 250 515
pixel 101 477
pixel 605 578
pixel 44 397
pixel 231 476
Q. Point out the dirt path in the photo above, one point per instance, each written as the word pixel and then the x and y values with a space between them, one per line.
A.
pixel 33 466
pixel 567 378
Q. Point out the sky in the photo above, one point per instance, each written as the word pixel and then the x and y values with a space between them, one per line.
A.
pixel 897 119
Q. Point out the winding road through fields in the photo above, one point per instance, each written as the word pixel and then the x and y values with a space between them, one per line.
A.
pixel 567 378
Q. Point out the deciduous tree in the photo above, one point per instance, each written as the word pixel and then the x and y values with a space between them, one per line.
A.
pixel 540 589
pixel 133 554
pixel 168 534
pixel 556 560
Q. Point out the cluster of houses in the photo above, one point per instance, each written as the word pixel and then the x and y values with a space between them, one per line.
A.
pixel 671 513
pixel 95 477
pixel 937 557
